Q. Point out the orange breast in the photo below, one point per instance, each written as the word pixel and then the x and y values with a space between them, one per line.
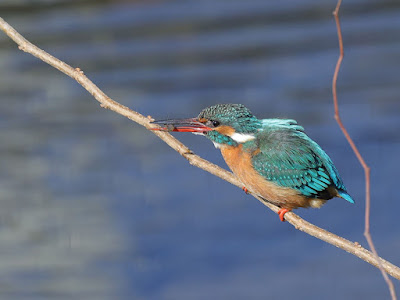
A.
pixel 240 164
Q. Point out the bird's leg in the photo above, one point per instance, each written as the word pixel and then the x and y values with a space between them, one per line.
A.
pixel 282 213
pixel 245 190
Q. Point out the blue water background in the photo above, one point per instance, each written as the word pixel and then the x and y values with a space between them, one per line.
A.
pixel 93 206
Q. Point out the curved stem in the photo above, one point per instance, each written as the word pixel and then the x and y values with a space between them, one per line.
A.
pixel 364 165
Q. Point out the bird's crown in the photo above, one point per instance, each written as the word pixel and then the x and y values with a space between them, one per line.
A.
pixel 236 116
pixel 231 124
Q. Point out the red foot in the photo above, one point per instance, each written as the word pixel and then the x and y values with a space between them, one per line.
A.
pixel 282 213
pixel 245 190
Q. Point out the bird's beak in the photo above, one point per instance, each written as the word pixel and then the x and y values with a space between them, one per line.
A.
pixel 182 125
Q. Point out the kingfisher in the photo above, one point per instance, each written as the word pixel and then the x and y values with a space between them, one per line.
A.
pixel 273 158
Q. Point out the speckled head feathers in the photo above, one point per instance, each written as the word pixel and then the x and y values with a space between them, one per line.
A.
pixel 236 116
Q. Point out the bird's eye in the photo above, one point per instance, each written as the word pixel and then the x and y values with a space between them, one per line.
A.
pixel 215 123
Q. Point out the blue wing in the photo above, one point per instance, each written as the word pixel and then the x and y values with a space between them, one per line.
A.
pixel 289 158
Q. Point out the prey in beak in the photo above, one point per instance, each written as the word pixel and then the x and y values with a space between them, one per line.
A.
pixel 182 125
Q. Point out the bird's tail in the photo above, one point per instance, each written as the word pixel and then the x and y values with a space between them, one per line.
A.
pixel 345 196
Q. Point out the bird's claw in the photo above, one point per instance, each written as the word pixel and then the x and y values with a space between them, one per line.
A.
pixel 282 213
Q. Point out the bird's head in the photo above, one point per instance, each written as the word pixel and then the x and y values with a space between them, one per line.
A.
pixel 223 124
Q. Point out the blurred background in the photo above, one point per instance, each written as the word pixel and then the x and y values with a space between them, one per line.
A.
pixel 94 206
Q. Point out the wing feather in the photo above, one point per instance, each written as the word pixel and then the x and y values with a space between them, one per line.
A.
pixel 291 159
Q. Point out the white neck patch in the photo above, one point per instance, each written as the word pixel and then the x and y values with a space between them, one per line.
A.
pixel 217 145
pixel 241 137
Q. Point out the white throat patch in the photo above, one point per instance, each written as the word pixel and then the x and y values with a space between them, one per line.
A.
pixel 242 138
pixel 217 145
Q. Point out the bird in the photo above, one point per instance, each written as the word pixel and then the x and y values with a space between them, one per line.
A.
pixel 273 158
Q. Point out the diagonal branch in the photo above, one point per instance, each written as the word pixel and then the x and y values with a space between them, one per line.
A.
pixel 106 102
pixel 364 165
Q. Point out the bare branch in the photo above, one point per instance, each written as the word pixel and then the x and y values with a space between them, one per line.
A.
pixel 106 102
pixel 366 168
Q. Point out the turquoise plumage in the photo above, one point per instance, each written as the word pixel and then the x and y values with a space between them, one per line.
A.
pixel 291 159
pixel 273 158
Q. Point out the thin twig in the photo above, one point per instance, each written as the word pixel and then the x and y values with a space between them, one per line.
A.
pixel 366 168
pixel 106 102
